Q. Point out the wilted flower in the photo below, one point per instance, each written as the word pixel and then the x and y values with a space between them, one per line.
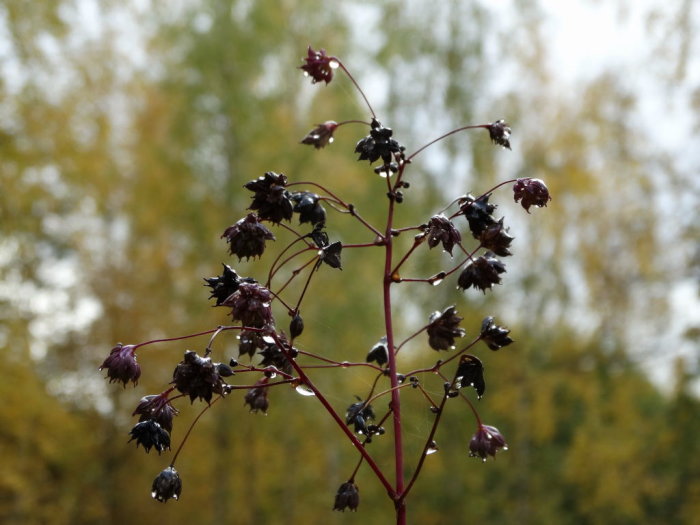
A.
pixel 500 133
pixel 167 485
pixel 358 414
pixel 247 237
pixel 533 192
pixel 495 238
pixel 271 199
pixel 249 342
pixel 478 213
pixel 306 204
pixel 250 304
pixel 493 335
pixel 379 352
pixel 319 66
pixel 441 230
pixel 225 284
pixel 256 397
pixel 150 434
pixel 199 377
pixel 486 442
pixel 331 255
pixel 321 135
pixel 121 364
pixel 157 408
pixel 378 144
pixel 482 273
pixel 443 329
pixel 347 497
pixel 470 372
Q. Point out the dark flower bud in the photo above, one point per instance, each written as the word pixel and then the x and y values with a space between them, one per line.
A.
pixel 531 192
pixel 347 497
pixel 496 239
pixel 441 230
pixel 478 213
pixel 167 485
pixel 224 370
pixel 199 377
pixel 331 255
pixel 319 237
pixel 470 372
pixel 157 408
pixel 321 135
pixel 493 335
pixel 379 353
pixel 319 66
pixel 500 133
pixel 121 364
pixel 256 397
pixel 306 204
pixel 443 329
pixel 482 273
pixel 358 414
pixel 150 434
pixel 378 144
pixel 225 284
pixel 271 199
pixel 296 326
pixel 250 342
pixel 486 442
pixel 250 304
pixel 247 237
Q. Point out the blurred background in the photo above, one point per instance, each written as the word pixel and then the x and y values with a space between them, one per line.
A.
pixel 127 129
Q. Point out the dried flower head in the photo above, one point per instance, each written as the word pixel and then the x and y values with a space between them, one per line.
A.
pixel 199 377
pixel 256 397
pixel 250 304
pixel 470 372
pixel 157 408
pixel 271 199
pixel 331 255
pixel 441 230
pixel 319 66
pixel 378 144
pixel 347 497
pixel 247 237
pixel 321 135
pixel 531 192
pixel 478 213
pixel 486 442
pixel 379 352
pixel 249 342
pixel 121 364
pixel 443 329
pixel 167 485
pixel 225 284
pixel 499 132
pixel 493 335
pixel 308 206
pixel 150 434
pixel 495 238
pixel 482 273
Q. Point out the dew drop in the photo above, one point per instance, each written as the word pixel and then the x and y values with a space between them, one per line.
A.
pixel 306 73
pixel 330 140
pixel 432 448
pixel 304 390
pixel 436 282
pixel 153 494
pixel 334 64
pixel 505 447
pixel 268 339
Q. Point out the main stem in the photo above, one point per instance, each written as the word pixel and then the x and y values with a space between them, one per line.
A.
pixel 395 395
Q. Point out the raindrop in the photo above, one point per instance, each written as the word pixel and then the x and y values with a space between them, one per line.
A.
pixel 306 73
pixel 304 390
pixel 268 339
pixel 334 64
pixel 153 494
pixel 432 448
pixel 330 140
pixel 505 447
pixel 436 282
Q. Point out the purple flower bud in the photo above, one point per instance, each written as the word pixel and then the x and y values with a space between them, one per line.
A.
pixel 347 497
pixel 224 285
pixel 495 238
pixel 482 273
pixel 531 192
pixel 167 485
pixel 157 408
pixel 443 329
pixel 271 199
pixel 319 66
pixel 486 442
pixel 247 237
pixel 321 135
pixel 441 230
pixel 121 364
pixel 493 335
pixel 250 304
pixel 378 144
pixel 199 377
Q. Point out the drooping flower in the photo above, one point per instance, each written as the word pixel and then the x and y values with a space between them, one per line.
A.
pixel 250 304
pixel 225 284
pixel 378 144
pixel 495 238
pixel 150 434
pixel 470 372
pixel 308 206
pixel 531 192
pixel 358 414
pixel 478 213
pixel 441 230
pixel 331 255
pixel 347 497
pixel 486 442
pixel 321 135
pixel 482 273
pixel 271 199
pixel 256 397
pixel 247 237
pixel 319 66
pixel 121 364
pixel 499 132
pixel 379 352
pixel 167 485
pixel 493 335
pixel 443 329
pixel 249 342
pixel 199 377
pixel 158 408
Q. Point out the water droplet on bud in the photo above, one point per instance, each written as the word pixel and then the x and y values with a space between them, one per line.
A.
pixel 334 64
pixel 432 448
pixel 304 390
